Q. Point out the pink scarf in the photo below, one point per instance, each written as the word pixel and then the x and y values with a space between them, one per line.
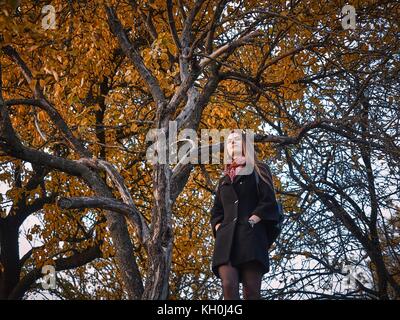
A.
pixel 234 167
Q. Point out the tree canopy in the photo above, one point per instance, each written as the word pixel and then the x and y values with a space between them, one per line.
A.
pixel 83 82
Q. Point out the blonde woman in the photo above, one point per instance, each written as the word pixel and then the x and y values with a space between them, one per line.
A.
pixel 239 219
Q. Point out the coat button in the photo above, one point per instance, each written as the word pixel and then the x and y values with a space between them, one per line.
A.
pixel 236 201
pixel 235 219
pixel 241 182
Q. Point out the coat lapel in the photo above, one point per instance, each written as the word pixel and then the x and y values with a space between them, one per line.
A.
pixel 227 179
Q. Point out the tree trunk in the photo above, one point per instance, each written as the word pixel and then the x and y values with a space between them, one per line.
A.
pixel 160 247
pixel 9 257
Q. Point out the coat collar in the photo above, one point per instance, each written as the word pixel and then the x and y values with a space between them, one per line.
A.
pixel 227 180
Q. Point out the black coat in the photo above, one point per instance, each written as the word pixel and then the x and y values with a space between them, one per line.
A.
pixel 234 203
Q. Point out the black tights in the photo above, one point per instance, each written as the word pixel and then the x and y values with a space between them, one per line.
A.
pixel 251 277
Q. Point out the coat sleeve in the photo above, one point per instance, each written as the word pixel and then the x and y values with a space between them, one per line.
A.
pixel 217 212
pixel 267 207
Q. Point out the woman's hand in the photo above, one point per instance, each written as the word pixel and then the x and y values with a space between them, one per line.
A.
pixel 217 226
pixel 255 218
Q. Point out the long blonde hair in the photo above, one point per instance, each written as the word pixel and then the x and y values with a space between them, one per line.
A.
pixel 259 166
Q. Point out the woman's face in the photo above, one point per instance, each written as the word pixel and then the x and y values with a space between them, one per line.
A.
pixel 234 145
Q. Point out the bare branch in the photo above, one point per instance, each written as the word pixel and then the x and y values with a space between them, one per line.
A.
pixel 131 52
pixel 76 260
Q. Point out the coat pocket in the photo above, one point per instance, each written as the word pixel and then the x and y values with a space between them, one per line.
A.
pixel 223 243
pixel 258 233
pixel 223 224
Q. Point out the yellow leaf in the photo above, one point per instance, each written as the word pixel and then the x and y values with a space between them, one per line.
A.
pixel 134 127
pixel 55 75
pixel 32 85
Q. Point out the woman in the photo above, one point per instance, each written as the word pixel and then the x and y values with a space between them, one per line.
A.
pixel 238 219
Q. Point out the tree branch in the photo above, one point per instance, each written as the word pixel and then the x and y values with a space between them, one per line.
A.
pixel 130 213
pixel 131 52
pixel 44 104
pixel 76 260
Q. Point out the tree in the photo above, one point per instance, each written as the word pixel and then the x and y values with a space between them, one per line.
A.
pixel 78 101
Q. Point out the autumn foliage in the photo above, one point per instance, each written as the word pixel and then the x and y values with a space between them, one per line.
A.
pixel 77 100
